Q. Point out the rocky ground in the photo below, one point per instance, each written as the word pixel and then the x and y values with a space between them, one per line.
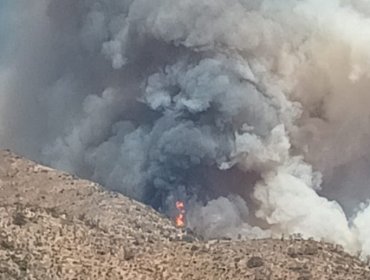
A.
pixel 54 226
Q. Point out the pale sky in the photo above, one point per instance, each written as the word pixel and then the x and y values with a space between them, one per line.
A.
pixel 5 27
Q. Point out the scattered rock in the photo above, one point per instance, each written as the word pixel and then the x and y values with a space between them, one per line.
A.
pixel 308 248
pixel 188 238
pixel 255 262
pixel 19 219
pixel 128 254
pixel 305 276
pixel 194 248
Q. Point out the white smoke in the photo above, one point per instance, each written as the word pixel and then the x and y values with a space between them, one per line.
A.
pixel 254 112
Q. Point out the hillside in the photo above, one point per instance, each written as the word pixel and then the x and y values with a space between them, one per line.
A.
pixel 55 226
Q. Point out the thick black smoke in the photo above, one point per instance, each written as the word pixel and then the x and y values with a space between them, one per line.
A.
pixel 254 112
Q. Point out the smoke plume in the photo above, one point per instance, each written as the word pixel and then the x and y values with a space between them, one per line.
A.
pixel 254 112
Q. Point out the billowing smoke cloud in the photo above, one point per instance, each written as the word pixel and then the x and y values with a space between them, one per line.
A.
pixel 254 112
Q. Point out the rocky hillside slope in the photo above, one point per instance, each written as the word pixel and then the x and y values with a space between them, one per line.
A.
pixel 54 226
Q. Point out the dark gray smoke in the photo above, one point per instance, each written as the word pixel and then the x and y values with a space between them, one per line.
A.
pixel 253 112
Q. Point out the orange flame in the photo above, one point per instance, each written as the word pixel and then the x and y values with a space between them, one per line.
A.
pixel 180 217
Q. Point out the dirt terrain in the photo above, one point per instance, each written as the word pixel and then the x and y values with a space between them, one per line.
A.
pixel 55 226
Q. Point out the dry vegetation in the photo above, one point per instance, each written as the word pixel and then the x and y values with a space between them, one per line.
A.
pixel 53 226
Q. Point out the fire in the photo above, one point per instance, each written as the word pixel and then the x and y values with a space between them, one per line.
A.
pixel 180 217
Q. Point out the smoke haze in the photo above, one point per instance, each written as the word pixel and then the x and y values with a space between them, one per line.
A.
pixel 255 113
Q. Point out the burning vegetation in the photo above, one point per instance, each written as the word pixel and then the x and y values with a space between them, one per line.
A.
pixel 180 216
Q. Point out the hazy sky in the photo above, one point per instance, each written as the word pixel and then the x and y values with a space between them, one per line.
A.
pixel 5 26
